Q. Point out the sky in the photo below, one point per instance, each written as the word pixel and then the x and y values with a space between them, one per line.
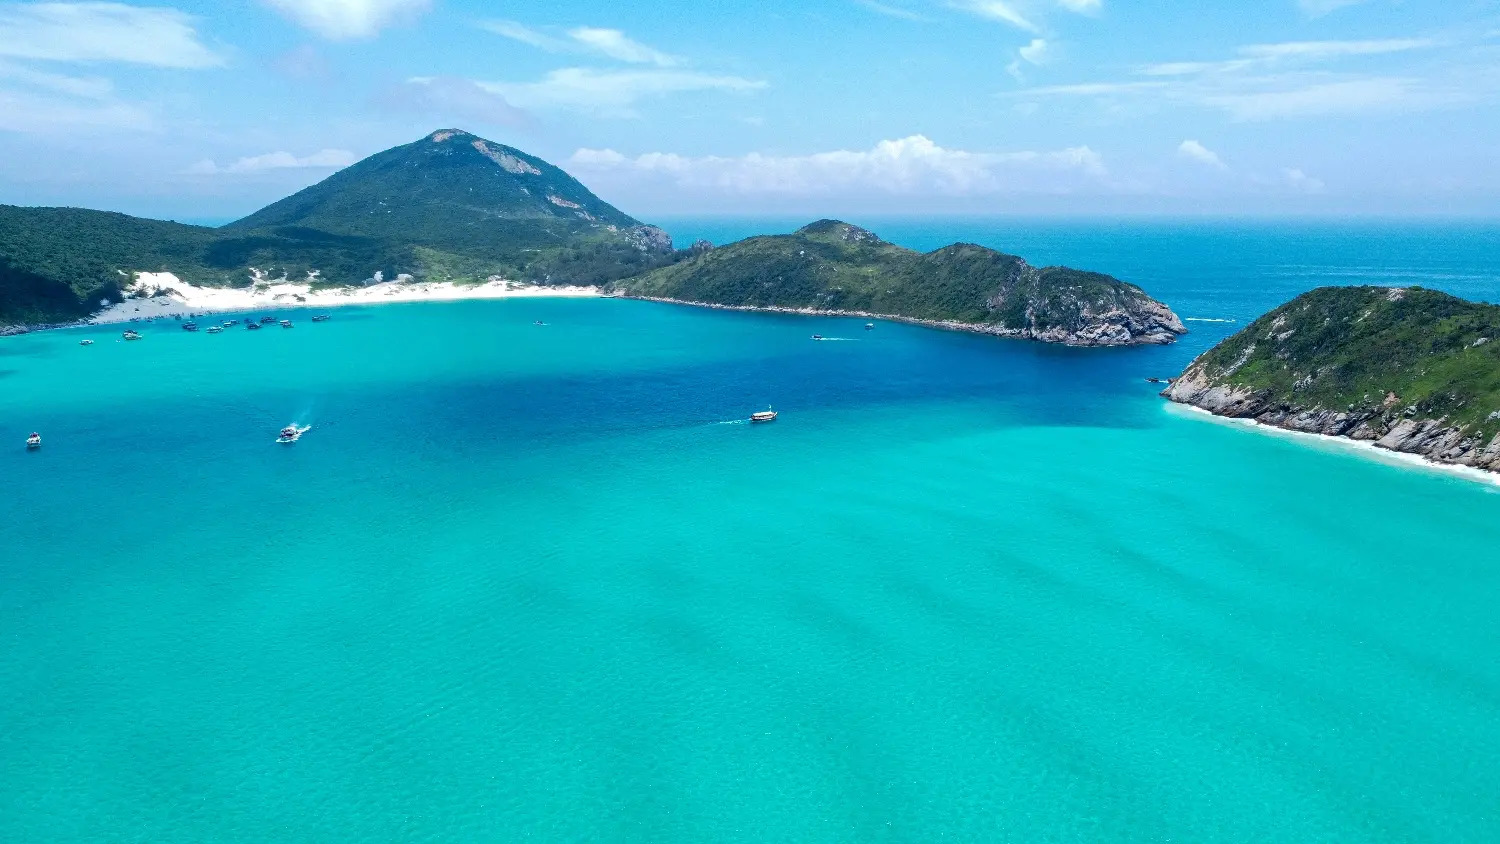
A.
pixel 205 110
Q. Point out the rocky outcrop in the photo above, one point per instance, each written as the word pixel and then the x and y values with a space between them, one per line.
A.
pixel 1385 424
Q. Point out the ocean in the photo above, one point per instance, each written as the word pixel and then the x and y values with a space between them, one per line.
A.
pixel 542 582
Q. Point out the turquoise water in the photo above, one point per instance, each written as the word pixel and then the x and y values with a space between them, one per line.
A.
pixel 540 582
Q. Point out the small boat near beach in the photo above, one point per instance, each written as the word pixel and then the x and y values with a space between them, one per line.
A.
pixel 767 415
pixel 252 325
pixel 190 326
pixel 292 433
pixel 286 323
pixel 34 441
pixel 320 317
pixel 267 319
pixel 85 342
pixel 229 322
pixel 216 329
pixel 869 326
pixel 131 335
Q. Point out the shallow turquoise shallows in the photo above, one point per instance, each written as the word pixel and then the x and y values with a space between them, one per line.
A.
pixel 541 582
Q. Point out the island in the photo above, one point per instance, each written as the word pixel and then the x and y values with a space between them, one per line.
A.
pixel 1411 370
pixel 831 267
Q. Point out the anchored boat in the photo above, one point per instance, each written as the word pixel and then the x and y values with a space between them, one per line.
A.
pixel 767 415
pixel 34 441
pixel 131 335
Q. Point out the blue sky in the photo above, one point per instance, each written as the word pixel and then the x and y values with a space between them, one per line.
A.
pixel 191 109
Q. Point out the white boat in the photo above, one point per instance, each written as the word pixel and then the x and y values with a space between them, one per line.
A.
pixel 767 415
pixel 215 329
pixel 292 433
pixel 131 335
pixel 286 323
pixel 34 441
pixel 85 342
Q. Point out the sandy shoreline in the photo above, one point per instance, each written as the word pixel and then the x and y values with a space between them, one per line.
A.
pixel 1358 448
pixel 173 296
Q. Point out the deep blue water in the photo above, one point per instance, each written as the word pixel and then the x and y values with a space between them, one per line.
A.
pixel 543 582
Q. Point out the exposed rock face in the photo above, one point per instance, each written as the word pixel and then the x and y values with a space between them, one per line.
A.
pixel 1384 423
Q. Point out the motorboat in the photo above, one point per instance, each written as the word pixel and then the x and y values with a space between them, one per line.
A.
pixel 131 335
pixel 252 326
pixel 190 326
pixel 229 322
pixel 320 318
pixel 34 441
pixel 286 323
pixel 767 415
pixel 266 319
pixel 292 433
pixel 869 326
pixel 216 329
pixel 85 342
pixel 817 337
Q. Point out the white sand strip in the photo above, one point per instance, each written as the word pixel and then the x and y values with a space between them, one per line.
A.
pixel 174 296
pixel 1343 445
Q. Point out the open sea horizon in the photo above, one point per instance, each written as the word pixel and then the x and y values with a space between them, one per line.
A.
pixel 543 582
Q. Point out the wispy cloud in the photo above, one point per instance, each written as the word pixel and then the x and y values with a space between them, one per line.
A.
pixel 1319 8
pixel 348 19
pixel 998 10
pixel 892 11
pixel 613 93
pixel 1301 182
pixel 329 159
pixel 1084 7
pixel 906 166
pixel 1035 53
pixel 1203 155
pixel 30 112
pixel 1353 96
pixel 611 43
pixel 102 32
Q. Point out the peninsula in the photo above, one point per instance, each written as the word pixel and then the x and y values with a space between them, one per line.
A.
pixel 1406 369
pixel 831 267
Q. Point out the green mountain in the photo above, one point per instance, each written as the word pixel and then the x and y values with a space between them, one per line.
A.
pixel 449 207
pixel 1409 369
pixel 834 267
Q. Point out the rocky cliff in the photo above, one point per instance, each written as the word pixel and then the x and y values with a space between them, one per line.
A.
pixel 1409 370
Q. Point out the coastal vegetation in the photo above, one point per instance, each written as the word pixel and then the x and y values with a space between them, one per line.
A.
pixel 449 207
pixel 831 266
pixel 1411 369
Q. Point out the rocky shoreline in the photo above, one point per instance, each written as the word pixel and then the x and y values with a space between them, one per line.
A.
pixel 1386 426
pixel 1106 332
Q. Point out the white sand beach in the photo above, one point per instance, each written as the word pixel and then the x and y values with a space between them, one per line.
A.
pixel 1343 445
pixel 165 294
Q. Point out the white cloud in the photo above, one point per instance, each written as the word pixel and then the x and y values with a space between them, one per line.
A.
pixel 1081 6
pixel 617 45
pixel 324 159
pixel 1320 50
pixel 1319 8
pixel 102 32
pixel 1089 89
pixel 907 166
pixel 1301 182
pixel 454 100
pixel 1035 52
pixel 345 19
pixel 86 87
pixel 611 43
pixel 1201 154
pixel 1348 97
pixel 998 10
pixel 612 93
pixel 891 11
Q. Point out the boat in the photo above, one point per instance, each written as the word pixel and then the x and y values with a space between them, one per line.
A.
pixel 85 342
pixel 320 318
pixel 229 322
pixel 251 325
pixel 286 323
pixel 190 326
pixel 817 337
pixel 34 441
pixel 869 326
pixel 216 329
pixel 131 335
pixel 266 319
pixel 292 433
pixel 767 415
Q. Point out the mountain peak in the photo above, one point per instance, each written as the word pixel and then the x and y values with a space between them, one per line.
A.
pixel 840 230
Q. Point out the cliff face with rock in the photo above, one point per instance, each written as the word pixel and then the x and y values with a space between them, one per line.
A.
pixel 1407 369
pixel 831 267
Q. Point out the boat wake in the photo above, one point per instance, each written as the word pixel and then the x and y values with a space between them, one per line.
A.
pixel 733 422
pixel 844 339
pixel 1206 319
